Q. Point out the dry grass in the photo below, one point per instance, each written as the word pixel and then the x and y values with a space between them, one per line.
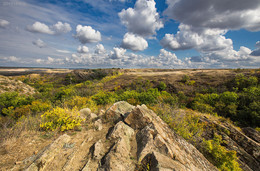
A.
pixel 8 85
pixel 14 150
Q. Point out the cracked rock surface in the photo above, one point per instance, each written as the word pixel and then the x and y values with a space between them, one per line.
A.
pixel 136 139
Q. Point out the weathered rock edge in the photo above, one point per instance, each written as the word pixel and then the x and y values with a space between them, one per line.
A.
pixel 138 140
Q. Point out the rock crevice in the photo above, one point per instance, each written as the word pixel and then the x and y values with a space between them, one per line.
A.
pixel 138 140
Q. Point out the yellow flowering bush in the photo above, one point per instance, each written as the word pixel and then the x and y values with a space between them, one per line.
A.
pixel 62 119
pixel 109 78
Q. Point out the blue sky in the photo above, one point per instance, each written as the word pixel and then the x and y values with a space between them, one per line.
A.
pixel 130 33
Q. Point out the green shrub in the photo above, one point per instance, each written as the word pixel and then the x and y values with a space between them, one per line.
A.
pixel 241 81
pixel 252 81
pixel 189 127
pixel 221 157
pixel 103 98
pixel 168 98
pixel 39 106
pixel 185 79
pixel 249 107
pixel 64 92
pixel 228 97
pixel 9 99
pixel 161 86
pixel 212 99
pixel 191 83
pixel 149 97
pixel 21 111
pixel 183 99
pixel 61 119
pixel 202 107
pixel 140 85
pixel 129 96
pixel 8 111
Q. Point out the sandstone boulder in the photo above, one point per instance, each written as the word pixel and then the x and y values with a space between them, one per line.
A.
pixel 84 113
pixel 118 110
pixel 97 150
pixel 119 156
pixel 92 116
pixel 98 124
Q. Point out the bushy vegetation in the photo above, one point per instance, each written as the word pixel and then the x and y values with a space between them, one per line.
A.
pixel 161 86
pixel 219 155
pixel 187 124
pixel 186 80
pixel 240 105
pixel 61 119
pixel 13 100
pixel 58 99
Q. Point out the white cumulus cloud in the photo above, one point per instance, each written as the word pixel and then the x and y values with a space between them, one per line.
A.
pixel 50 60
pixel 117 53
pixel 39 27
pixel 57 28
pixel 202 39
pixel 39 61
pixel 82 49
pixel 203 25
pixel 13 59
pixel 100 49
pixel 134 42
pixel 168 59
pixel 143 19
pixel 211 43
pixel 86 34
pixel 221 14
pixel 4 23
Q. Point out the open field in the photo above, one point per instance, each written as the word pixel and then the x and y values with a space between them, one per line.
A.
pixel 24 71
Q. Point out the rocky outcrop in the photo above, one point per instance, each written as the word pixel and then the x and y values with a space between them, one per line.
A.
pixel 252 133
pixel 118 110
pixel 139 140
pixel 120 153
pixel 247 149
pixel 159 147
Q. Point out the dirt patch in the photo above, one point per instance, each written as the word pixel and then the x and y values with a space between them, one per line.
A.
pixel 15 150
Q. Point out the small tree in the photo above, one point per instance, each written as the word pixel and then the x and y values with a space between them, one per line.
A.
pixel 161 86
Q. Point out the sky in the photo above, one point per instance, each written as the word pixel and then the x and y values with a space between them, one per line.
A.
pixel 130 33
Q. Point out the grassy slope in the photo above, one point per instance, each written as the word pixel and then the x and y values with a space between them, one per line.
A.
pixel 81 86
